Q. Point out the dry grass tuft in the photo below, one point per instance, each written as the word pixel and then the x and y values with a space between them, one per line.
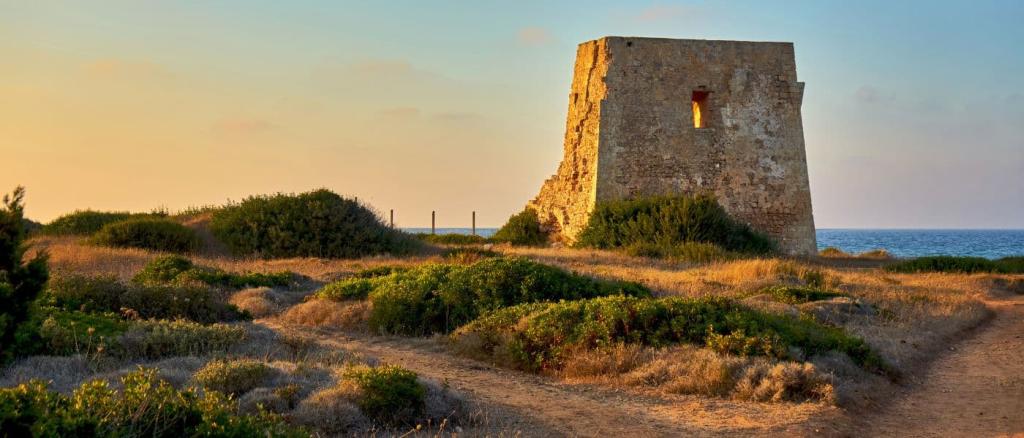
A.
pixel 349 315
pixel 686 369
pixel 259 302
pixel 443 404
pixel 784 382
pixel 64 373
pixel 332 410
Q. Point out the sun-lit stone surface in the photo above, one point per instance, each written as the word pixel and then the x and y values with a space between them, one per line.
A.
pixel 631 131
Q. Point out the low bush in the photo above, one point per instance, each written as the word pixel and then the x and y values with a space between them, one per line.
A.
pixel 667 222
pixel 85 222
pixel 153 339
pixel 233 377
pixel 348 289
pixel 314 224
pixel 798 295
pixel 437 298
pixel 31 227
pixel 178 270
pixel 968 265
pixel 146 406
pixel 159 234
pixel 65 332
pixel 523 228
pixel 388 393
pixel 107 294
pixel 451 239
pixel 56 331
pixel 541 336
pixel 1011 265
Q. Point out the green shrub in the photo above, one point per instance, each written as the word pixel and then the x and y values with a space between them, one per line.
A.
pixel 178 270
pixel 388 393
pixel 969 265
pixel 798 295
pixel 667 222
pixel 159 234
pixel 541 336
pixel 314 224
pixel 21 281
pixel 451 239
pixel 163 270
pixel 233 377
pixel 72 332
pixel 523 228
pixel 146 406
pixel 437 298
pixel 1010 265
pixel 31 227
pixel 153 339
pixel 348 289
pixel 87 294
pixel 107 294
pixel 85 222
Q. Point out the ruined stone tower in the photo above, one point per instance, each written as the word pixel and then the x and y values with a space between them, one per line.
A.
pixel 651 116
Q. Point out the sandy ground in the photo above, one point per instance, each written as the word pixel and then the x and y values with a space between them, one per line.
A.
pixel 975 390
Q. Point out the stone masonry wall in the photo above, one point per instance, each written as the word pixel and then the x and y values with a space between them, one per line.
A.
pixel 630 133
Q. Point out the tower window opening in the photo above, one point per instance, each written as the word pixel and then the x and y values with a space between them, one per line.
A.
pixel 700 108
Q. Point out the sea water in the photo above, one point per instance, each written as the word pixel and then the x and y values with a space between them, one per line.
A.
pixel 899 242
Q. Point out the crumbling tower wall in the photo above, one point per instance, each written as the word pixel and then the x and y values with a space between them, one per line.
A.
pixel 651 116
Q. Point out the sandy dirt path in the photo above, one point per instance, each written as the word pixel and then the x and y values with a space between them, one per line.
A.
pixel 975 390
pixel 540 406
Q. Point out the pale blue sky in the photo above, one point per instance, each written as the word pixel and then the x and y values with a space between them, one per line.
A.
pixel 913 112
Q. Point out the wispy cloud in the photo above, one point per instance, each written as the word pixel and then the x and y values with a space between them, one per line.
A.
pixel 534 36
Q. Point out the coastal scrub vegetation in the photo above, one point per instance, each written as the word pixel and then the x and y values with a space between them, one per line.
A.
pixel 523 228
pixel 437 298
pixel 667 223
pixel 155 233
pixel 178 270
pixel 144 406
pixel 88 222
pixel 967 265
pixel 542 336
pixel 313 224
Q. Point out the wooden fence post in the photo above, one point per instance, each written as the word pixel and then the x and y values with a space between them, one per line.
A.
pixel 474 223
pixel 392 218
pixel 433 222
